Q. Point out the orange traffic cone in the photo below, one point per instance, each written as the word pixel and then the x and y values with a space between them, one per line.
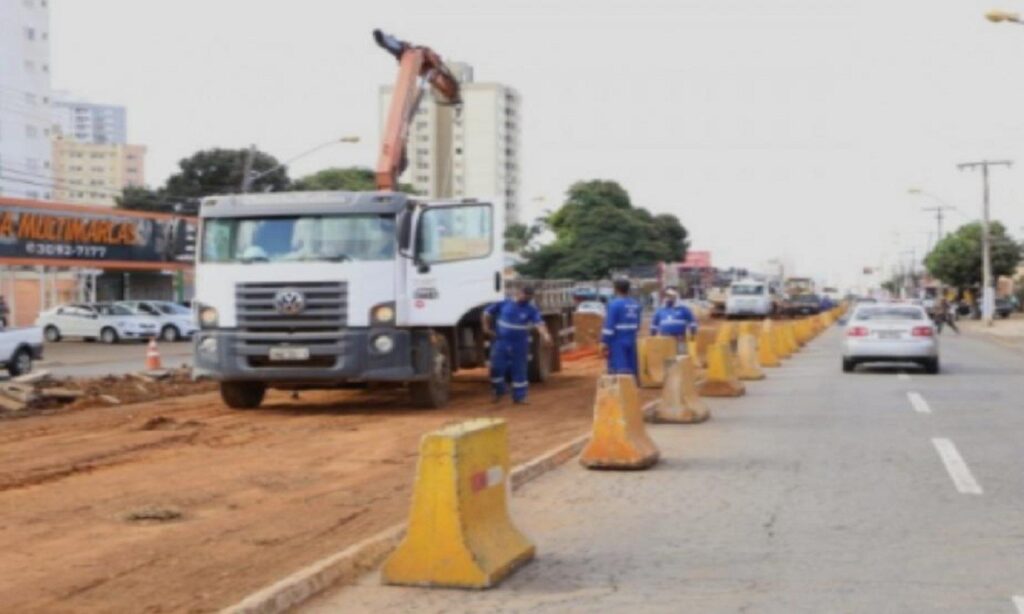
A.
pixel 152 356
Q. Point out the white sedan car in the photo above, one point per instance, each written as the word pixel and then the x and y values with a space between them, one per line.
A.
pixel 176 322
pixel 107 322
pixel 594 307
pixel 890 333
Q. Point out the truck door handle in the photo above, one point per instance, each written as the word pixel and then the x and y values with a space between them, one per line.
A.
pixel 497 281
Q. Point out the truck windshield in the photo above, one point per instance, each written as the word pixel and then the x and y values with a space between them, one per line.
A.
pixel 326 238
pixel 753 290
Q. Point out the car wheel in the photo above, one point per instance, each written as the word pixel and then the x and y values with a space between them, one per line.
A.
pixel 849 365
pixel 931 366
pixel 170 333
pixel 108 335
pixel 52 333
pixel 242 395
pixel 21 363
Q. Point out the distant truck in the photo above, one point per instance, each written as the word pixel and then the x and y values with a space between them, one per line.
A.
pixel 19 347
pixel 749 297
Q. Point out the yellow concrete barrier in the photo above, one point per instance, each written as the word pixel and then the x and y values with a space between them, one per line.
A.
pixel 619 439
pixel 747 327
pixel 721 379
pixel 782 348
pixel 460 534
pixel 766 355
pixel 747 352
pixel 651 355
pixel 679 402
pixel 705 339
pixel 693 351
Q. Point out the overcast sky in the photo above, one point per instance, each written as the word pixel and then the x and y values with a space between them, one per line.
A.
pixel 783 128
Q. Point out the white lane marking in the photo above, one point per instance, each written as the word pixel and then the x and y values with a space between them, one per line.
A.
pixel 903 377
pixel 1019 602
pixel 957 468
pixel 918 402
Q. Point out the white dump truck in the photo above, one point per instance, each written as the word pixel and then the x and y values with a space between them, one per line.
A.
pixel 302 290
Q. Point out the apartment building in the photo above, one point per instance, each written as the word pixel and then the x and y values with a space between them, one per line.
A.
pixel 95 173
pixel 25 105
pixel 89 122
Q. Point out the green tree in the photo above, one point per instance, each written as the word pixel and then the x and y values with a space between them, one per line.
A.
pixel 598 230
pixel 354 178
pixel 142 199
pixel 956 259
pixel 518 237
pixel 219 171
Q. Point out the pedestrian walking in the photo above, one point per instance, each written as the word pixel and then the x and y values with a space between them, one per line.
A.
pixel 509 323
pixel 943 313
pixel 618 336
pixel 673 318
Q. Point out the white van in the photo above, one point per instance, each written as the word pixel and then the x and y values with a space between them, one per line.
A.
pixel 749 297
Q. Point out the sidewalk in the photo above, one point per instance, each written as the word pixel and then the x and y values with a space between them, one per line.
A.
pixel 1008 333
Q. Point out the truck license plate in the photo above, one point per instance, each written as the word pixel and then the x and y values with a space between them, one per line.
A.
pixel 289 353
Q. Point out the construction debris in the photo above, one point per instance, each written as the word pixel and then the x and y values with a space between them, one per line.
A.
pixel 40 391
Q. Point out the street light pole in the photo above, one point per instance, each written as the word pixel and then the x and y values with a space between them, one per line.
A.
pixel 987 292
pixel 938 209
pixel 249 178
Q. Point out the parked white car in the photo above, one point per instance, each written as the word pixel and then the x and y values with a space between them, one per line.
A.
pixel 176 321
pixel 107 322
pixel 594 307
pixel 19 347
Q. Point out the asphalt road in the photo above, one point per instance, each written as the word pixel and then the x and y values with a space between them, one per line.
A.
pixel 82 359
pixel 871 492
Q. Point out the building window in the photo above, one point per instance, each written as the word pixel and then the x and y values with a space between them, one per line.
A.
pixel 30 34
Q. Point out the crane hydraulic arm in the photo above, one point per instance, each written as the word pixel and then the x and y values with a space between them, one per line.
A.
pixel 417 66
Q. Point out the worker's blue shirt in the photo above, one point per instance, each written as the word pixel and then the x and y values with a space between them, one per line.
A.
pixel 673 321
pixel 513 320
pixel 622 321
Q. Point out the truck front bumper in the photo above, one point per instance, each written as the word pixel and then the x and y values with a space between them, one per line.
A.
pixel 346 356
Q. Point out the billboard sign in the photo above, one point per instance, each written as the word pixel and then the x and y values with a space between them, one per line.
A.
pixel 78 236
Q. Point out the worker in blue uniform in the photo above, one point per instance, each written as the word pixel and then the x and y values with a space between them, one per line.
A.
pixel 673 318
pixel 618 336
pixel 509 323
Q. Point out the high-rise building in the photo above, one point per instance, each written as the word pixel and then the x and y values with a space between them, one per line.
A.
pixel 469 152
pixel 25 120
pixel 89 122
pixel 95 173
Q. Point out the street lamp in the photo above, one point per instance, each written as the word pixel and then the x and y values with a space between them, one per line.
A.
pixel 249 178
pixel 998 16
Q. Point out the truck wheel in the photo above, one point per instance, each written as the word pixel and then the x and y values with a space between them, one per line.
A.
pixel 538 370
pixel 21 363
pixel 52 333
pixel 242 395
pixel 433 393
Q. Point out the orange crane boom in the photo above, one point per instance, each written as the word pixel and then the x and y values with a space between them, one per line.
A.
pixel 417 66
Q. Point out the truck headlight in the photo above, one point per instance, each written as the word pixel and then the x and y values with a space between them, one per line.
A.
pixel 383 314
pixel 383 343
pixel 208 345
pixel 208 317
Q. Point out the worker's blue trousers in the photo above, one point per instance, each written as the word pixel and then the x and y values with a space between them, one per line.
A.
pixel 508 363
pixel 622 357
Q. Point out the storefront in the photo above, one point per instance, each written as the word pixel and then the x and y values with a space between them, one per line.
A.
pixel 54 253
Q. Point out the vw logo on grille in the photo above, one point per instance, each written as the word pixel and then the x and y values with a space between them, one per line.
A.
pixel 289 302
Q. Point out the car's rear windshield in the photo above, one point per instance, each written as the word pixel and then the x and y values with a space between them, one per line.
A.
pixel 889 313
pixel 747 290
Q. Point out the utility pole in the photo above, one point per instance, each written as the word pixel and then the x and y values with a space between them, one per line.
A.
pixel 938 209
pixel 247 170
pixel 987 291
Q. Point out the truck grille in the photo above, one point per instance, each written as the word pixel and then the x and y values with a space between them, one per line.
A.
pixel 326 307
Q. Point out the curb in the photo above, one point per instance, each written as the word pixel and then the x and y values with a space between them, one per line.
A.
pixel 363 557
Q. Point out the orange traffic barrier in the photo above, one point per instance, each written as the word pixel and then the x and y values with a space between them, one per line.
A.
pixel 749 368
pixel 619 439
pixel 679 402
pixel 651 355
pixel 152 356
pixel 460 533
pixel 721 379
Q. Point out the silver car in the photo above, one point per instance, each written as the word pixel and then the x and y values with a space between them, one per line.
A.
pixel 890 333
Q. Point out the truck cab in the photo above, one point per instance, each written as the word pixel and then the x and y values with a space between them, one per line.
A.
pixel 328 289
pixel 749 297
